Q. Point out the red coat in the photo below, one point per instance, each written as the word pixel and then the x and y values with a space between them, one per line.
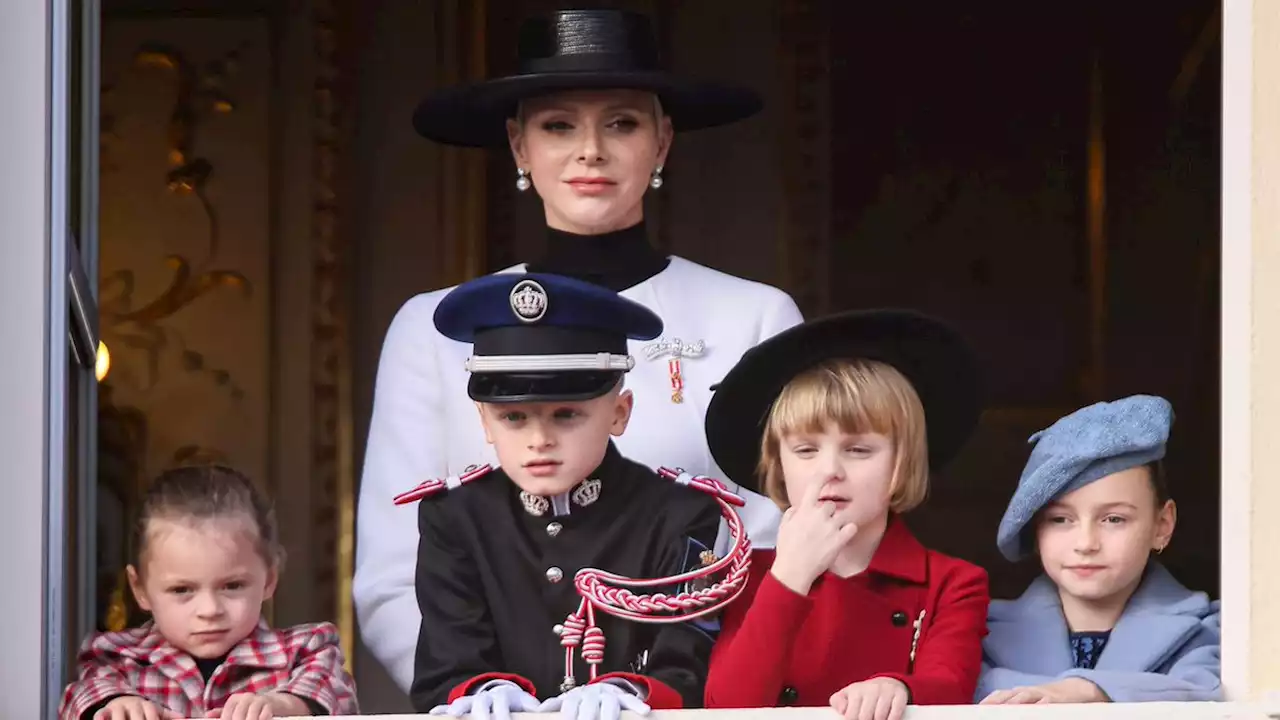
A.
pixel 780 648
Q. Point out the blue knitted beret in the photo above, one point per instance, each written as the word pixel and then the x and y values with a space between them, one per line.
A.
pixel 1087 445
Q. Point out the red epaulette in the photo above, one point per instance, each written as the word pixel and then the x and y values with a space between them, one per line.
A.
pixel 431 487
pixel 710 486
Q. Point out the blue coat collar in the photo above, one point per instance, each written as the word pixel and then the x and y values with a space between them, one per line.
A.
pixel 1031 634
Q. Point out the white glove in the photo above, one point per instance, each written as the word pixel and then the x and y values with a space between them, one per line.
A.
pixel 597 701
pixel 495 702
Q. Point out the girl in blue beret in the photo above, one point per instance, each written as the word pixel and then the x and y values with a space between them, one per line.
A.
pixel 1106 622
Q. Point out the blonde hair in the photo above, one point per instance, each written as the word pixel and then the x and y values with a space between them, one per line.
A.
pixel 860 396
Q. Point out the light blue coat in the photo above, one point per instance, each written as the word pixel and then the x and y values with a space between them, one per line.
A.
pixel 1164 648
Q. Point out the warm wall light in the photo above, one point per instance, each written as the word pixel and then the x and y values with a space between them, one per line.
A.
pixel 103 364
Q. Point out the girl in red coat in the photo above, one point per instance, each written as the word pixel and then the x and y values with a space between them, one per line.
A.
pixel 840 420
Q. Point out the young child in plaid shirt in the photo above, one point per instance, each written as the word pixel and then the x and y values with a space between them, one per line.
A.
pixel 207 558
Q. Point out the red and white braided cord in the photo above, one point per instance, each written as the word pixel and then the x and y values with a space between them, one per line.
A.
pixel 433 487
pixel 598 592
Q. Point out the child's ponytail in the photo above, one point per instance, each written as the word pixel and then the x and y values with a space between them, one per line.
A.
pixel 206 492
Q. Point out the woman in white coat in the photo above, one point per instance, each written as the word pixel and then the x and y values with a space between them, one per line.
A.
pixel 589 119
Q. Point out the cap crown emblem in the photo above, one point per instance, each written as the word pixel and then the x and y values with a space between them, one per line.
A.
pixel 528 301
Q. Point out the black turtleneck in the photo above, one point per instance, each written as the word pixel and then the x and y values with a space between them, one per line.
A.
pixel 616 260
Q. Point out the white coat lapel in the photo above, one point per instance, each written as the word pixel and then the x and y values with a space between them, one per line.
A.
pixel 681 350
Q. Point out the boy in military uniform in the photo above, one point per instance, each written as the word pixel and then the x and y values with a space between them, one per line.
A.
pixel 499 548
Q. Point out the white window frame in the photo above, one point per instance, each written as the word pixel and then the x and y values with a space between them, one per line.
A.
pixel 40 326
pixel 1237 344
pixel 24 294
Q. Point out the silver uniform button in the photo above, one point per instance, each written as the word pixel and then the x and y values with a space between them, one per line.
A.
pixel 554 574
pixel 554 529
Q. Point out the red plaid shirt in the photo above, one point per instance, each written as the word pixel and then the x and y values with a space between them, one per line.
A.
pixel 304 660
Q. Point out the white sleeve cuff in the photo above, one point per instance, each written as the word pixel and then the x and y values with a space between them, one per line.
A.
pixel 491 684
pixel 628 687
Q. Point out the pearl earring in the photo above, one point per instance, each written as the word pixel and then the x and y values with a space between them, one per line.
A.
pixel 655 182
pixel 522 180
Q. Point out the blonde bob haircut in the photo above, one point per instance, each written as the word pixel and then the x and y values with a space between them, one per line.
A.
pixel 859 396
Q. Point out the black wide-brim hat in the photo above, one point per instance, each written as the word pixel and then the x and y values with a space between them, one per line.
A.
pixel 578 50
pixel 935 359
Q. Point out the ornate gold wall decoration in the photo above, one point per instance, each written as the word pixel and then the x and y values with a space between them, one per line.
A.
pixel 140 330
pixel 127 324
pixel 331 430
pixel 122 444
pixel 462 198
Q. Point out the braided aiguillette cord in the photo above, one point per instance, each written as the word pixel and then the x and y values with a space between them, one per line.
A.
pixel 594 586
pixel 431 487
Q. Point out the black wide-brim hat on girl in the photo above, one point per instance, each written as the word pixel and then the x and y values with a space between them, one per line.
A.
pixel 934 358
pixel 578 50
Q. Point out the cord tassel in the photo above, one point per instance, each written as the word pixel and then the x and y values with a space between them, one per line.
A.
pixel 612 594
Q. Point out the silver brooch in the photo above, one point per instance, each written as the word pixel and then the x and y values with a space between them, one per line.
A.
pixel 528 301
pixel 676 348
pixel 917 628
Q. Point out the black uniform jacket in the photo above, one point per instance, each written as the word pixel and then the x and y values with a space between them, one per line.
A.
pixel 493 580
